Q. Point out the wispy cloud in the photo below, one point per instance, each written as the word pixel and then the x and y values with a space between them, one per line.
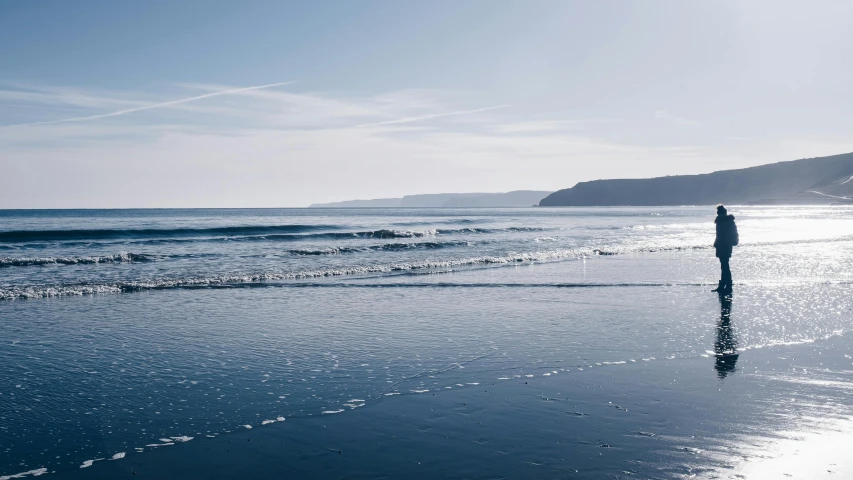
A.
pixel 429 117
pixel 151 106
pixel 289 148
pixel 39 107
pixel 672 118
pixel 51 96
pixel 542 126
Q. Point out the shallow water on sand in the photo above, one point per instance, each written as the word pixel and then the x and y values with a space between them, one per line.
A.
pixel 88 377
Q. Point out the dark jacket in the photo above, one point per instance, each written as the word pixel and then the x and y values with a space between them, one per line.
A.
pixel 727 236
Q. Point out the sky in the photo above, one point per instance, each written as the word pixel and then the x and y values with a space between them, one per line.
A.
pixel 266 103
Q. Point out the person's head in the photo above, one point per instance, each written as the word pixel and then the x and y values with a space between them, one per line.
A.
pixel 721 210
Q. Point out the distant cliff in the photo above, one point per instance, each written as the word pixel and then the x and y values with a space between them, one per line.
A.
pixel 518 198
pixel 809 181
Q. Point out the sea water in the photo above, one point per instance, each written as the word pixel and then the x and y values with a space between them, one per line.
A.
pixel 123 331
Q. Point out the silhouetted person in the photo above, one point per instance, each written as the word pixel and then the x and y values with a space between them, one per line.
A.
pixel 727 238
pixel 725 345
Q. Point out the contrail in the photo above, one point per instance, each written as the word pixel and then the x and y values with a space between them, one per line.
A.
pixel 152 106
pixel 428 117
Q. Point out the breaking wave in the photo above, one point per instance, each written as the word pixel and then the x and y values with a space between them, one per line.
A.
pixel 9 292
pixel 326 251
pixel 37 261
pixel 394 247
pixel 282 233
pixel 43 291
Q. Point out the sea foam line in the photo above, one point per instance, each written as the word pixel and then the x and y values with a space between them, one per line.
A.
pixel 43 291
pixel 385 247
pixel 35 473
pixel 88 260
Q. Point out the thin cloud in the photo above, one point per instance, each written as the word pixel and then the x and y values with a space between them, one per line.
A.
pixel 526 127
pixel 429 117
pixel 40 107
pixel 126 111
pixel 670 117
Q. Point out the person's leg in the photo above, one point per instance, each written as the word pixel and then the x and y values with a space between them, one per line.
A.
pixel 720 284
pixel 727 274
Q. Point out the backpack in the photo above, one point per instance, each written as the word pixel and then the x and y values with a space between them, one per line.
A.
pixel 734 236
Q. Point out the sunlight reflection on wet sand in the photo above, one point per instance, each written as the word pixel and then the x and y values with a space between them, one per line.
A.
pixel 820 451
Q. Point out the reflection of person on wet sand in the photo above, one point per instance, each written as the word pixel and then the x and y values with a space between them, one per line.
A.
pixel 725 345
pixel 727 238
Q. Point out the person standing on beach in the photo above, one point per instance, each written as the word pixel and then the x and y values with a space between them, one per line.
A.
pixel 727 237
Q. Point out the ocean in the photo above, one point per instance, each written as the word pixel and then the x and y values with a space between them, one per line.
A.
pixel 126 333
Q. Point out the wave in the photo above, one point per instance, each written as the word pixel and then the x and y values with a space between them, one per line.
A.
pixel 37 261
pixel 461 221
pixel 393 247
pixel 9 292
pixel 420 245
pixel 396 233
pixel 325 251
pixel 6 262
pixel 283 233
pixel 389 234
pixel 240 279
pixel 105 234
pixel 492 230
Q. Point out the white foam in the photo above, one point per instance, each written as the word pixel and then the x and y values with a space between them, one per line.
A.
pixel 40 261
pixel 118 456
pixel 247 426
pixel 331 412
pixel 9 292
pixel 35 473
pixel 24 292
pixel 89 463
pixel 182 439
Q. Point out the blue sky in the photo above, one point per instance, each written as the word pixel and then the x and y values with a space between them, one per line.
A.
pixel 153 104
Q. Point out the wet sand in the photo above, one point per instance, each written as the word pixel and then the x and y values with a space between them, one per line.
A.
pixel 775 412
pixel 582 369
